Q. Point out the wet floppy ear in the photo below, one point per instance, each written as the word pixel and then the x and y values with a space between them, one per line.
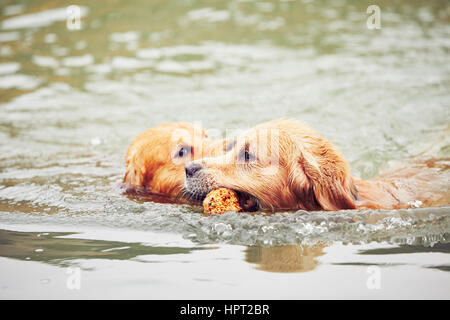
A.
pixel 135 171
pixel 133 178
pixel 325 184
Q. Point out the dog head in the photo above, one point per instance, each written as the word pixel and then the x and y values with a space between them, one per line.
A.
pixel 281 164
pixel 156 158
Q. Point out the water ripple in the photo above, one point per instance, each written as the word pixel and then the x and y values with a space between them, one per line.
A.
pixel 424 226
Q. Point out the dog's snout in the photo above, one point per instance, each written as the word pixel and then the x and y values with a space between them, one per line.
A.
pixel 191 168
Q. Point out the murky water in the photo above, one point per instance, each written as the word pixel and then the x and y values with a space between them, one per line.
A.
pixel 72 100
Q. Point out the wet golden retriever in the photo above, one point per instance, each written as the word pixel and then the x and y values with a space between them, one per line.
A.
pixel 284 164
pixel 156 158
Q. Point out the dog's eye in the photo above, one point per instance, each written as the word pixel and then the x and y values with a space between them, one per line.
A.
pixel 183 151
pixel 230 145
pixel 245 156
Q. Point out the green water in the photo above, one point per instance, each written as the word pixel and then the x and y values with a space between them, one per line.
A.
pixel 72 100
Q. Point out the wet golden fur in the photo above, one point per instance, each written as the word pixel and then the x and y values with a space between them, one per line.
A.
pixel 306 171
pixel 151 162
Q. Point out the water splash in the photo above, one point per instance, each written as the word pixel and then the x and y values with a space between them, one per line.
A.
pixel 424 226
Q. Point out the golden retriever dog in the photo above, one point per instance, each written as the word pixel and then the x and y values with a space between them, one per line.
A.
pixel 156 158
pixel 285 165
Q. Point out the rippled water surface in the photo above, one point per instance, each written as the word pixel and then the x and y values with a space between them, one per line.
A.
pixel 72 100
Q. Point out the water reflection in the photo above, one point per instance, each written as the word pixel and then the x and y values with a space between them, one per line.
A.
pixel 402 249
pixel 50 248
pixel 54 249
pixel 293 258
pixel 285 258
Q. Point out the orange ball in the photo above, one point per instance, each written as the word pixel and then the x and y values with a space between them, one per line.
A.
pixel 221 200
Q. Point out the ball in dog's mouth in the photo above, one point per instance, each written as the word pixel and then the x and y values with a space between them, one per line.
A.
pixel 221 200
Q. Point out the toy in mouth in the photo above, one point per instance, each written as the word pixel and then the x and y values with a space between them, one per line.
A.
pixel 223 200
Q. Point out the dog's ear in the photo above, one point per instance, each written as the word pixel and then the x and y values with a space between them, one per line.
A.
pixel 135 174
pixel 323 181
pixel 133 178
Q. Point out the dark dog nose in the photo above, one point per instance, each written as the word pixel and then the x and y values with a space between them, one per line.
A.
pixel 192 168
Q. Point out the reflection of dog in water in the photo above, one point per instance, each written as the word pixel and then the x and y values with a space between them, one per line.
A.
pixel 290 258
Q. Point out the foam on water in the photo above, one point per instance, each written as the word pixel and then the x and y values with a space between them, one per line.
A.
pixel 421 226
pixel 39 19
